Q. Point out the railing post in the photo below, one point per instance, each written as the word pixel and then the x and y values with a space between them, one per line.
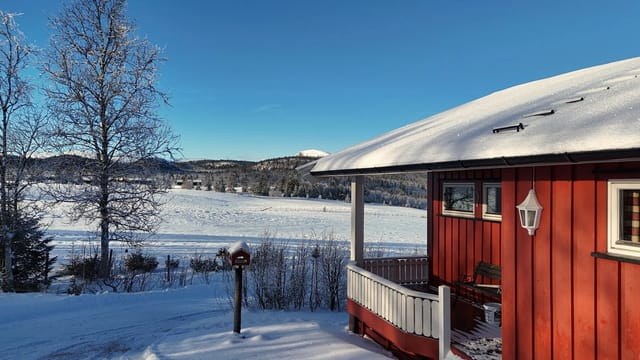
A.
pixel 444 310
pixel 357 220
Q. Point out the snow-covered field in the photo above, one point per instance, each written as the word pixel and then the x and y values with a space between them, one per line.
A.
pixel 203 222
pixel 196 322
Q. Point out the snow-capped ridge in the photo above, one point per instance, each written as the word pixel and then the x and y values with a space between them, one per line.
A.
pixel 312 153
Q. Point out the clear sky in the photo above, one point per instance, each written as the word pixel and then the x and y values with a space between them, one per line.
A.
pixel 256 79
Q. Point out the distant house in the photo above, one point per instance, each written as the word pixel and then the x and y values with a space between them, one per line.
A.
pixel 187 182
pixel 570 289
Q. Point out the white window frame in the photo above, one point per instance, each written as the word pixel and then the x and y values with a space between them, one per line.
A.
pixel 485 214
pixel 458 213
pixel 614 243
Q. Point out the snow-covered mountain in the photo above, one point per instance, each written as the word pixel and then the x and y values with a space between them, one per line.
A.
pixel 312 153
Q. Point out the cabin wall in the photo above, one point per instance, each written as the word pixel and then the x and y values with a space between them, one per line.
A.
pixel 558 300
pixel 567 303
pixel 457 244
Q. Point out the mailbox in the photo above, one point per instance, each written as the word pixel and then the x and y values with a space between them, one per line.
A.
pixel 239 254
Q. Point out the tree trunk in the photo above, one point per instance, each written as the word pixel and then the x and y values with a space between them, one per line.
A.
pixel 4 206
pixel 105 264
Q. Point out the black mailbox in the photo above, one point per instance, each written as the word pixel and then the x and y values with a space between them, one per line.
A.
pixel 239 254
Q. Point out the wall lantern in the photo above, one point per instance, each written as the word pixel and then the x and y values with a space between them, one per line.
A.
pixel 530 212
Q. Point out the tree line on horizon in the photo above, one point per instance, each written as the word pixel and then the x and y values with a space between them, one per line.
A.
pixel 281 177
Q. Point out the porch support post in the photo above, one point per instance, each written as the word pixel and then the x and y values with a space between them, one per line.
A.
pixel 357 220
pixel 444 310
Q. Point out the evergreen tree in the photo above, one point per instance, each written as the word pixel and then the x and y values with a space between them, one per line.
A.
pixel 220 186
pixel 291 187
pixel 262 187
pixel 30 254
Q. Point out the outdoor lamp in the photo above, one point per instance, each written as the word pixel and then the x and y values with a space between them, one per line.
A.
pixel 530 211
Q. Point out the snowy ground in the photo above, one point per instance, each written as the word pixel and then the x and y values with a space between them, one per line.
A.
pixel 202 221
pixel 196 322
pixel 188 323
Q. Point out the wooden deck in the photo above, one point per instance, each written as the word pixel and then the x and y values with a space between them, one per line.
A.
pixel 410 323
pixel 471 335
pixel 398 327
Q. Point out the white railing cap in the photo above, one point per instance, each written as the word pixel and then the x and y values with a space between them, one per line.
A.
pixel 392 285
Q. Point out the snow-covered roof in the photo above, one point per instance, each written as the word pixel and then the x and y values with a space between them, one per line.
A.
pixel 239 246
pixel 585 115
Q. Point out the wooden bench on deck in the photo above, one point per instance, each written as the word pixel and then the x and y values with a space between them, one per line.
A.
pixel 487 270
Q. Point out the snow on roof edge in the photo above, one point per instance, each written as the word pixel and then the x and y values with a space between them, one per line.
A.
pixel 590 106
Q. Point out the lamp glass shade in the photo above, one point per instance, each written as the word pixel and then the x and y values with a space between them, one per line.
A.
pixel 530 211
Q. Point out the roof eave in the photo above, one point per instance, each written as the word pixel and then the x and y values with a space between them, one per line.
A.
pixel 502 162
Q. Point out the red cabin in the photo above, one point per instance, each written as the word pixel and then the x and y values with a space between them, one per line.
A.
pixel 567 281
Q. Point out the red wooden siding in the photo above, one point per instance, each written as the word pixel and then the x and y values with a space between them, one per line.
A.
pixel 574 305
pixel 542 275
pixel 558 301
pixel 630 319
pixel 607 296
pixel 458 244
pixel 561 262
pixel 508 262
pixel 524 279
pixel 584 219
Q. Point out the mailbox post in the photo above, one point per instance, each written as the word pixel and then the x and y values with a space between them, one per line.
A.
pixel 239 256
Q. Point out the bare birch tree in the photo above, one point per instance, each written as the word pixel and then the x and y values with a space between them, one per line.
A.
pixel 104 101
pixel 19 131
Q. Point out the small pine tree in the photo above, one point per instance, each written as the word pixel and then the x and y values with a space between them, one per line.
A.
pixel 262 187
pixel 31 262
pixel 291 187
pixel 140 263
pixel 220 185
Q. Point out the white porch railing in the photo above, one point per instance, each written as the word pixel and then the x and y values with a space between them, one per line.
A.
pixel 412 311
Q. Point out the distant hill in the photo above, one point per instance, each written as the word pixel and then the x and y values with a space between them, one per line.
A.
pixel 270 177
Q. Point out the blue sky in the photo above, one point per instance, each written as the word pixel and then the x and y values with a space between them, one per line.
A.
pixel 258 79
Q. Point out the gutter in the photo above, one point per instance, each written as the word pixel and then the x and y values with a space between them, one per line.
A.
pixel 501 162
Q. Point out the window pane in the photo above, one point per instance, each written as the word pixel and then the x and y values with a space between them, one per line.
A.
pixel 531 216
pixel 630 215
pixel 623 226
pixel 493 199
pixel 458 197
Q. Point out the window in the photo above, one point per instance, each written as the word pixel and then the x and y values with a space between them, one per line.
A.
pixel 492 201
pixel 624 217
pixel 458 199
